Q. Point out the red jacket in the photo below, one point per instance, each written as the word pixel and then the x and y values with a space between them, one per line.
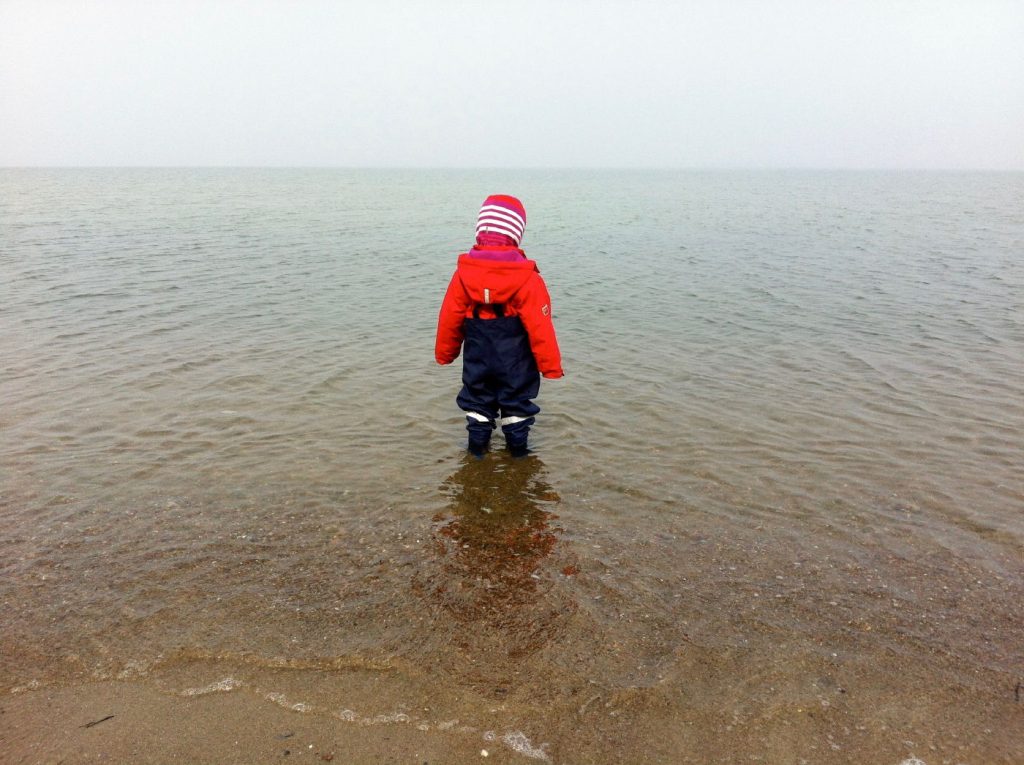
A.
pixel 518 286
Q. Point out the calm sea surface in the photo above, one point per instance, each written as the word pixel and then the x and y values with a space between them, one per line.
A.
pixel 775 508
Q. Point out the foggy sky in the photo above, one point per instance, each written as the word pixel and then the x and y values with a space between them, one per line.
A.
pixel 935 84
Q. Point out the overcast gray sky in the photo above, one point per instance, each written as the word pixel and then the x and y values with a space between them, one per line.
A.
pixel 789 83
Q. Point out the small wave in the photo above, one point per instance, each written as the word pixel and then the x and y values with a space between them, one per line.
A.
pixel 281 700
pixel 221 686
pixel 518 742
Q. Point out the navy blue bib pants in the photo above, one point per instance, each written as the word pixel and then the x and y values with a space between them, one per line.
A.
pixel 499 379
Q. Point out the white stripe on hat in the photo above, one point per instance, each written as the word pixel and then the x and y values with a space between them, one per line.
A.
pixel 503 212
pixel 501 225
pixel 488 221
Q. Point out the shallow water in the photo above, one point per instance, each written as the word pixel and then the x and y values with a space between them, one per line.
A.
pixel 782 474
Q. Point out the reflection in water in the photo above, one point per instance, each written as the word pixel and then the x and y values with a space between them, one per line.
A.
pixel 499 553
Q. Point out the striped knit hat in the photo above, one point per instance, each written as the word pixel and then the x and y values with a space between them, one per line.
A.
pixel 502 215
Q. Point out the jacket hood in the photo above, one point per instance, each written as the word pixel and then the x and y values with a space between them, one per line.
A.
pixel 493 281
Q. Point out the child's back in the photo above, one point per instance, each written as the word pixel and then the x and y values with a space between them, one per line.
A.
pixel 498 307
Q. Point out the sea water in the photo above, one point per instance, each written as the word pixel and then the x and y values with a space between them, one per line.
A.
pixel 782 476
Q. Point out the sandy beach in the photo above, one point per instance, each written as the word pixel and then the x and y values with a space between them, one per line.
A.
pixel 731 713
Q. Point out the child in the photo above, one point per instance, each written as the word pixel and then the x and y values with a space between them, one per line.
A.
pixel 498 305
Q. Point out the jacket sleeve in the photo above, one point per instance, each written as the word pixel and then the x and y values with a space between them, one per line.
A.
pixel 535 313
pixel 449 322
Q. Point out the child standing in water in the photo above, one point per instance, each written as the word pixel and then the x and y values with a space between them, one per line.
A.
pixel 497 305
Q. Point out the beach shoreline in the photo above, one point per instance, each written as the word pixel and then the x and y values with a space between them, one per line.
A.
pixel 117 721
pixel 871 712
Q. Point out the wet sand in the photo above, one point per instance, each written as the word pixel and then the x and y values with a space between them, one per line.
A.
pixel 715 708
pixel 136 723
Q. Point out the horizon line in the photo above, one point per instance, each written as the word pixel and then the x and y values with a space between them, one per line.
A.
pixel 500 168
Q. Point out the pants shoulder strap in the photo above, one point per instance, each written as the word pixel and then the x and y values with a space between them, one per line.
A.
pixel 498 308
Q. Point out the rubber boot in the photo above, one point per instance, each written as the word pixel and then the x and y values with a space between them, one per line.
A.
pixel 479 436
